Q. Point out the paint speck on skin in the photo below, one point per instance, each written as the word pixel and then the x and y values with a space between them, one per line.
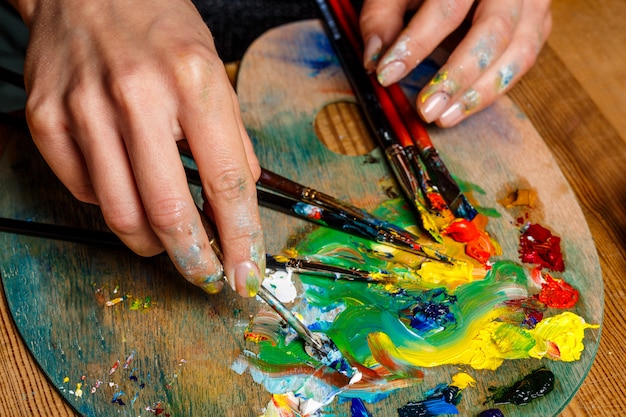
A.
pixel 484 52
pixel 505 77
pixel 470 100
pixel 441 82
pixel 400 52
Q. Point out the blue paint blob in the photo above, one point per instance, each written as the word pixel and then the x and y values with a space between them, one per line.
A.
pixel 427 408
pixel 441 400
pixel 357 408
pixel 431 312
pixel 492 412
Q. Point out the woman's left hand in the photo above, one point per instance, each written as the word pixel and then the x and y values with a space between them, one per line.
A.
pixel 501 45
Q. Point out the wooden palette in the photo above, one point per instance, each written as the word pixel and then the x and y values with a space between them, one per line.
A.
pixel 175 345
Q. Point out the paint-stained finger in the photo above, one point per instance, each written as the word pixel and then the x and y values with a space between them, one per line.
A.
pixel 519 57
pixel 221 149
pixel 430 25
pixel 380 22
pixel 490 35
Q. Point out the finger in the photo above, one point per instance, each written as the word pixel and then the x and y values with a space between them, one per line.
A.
pixel 490 35
pixel 519 57
pixel 48 128
pixel 253 161
pixel 380 23
pixel 218 142
pixel 430 25
pixel 109 168
pixel 161 181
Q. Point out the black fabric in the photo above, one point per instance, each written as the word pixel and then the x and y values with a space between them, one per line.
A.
pixel 236 23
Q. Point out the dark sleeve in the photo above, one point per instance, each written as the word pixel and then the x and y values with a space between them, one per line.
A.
pixel 236 23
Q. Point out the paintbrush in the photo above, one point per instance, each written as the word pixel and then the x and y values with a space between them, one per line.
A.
pixel 316 345
pixel 108 239
pixel 320 269
pixel 308 204
pixel 377 229
pixel 447 187
pixel 337 220
pixel 396 105
pixel 317 348
pixel 385 126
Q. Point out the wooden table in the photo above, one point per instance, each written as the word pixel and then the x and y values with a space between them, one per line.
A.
pixel 574 98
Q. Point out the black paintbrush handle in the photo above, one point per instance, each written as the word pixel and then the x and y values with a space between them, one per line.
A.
pixel 57 232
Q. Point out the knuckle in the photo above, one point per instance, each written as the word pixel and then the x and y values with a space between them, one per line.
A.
pixel 527 52
pixel 168 215
pixel 83 192
pixel 122 218
pixel 500 27
pixel 127 87
pixel 453 10
pixel 230 184
pixel 196 66
pixel 41 115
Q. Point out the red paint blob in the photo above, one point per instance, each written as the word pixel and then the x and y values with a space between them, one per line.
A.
pixel 461 230
pixel 557 293
pixel 436 201
pixel 539 246
pixel 480 248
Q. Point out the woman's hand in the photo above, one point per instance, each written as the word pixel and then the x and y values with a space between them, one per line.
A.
pixel 501 45
pixel 112 85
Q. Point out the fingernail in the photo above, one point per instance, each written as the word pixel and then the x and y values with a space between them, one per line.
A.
pixel 434 106
pixel 247 279
pixel 213 287
pixel 371 54
pixel 454 114
pixel 391 73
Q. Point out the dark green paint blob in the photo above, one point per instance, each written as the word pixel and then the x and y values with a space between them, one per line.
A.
pixel 534 385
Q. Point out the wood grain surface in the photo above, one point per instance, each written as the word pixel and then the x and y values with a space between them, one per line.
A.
pixel 590 151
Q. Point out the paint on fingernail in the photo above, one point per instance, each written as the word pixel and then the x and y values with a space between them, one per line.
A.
pixel 505 77
pixel 212 287
pixel 441 82
pixel 471 99
pixel 248 278
pixel 372 51
pixel 391 73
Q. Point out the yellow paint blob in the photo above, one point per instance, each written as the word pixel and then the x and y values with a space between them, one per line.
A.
pixel 462 380
pixel 566 331
pixel 448 275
